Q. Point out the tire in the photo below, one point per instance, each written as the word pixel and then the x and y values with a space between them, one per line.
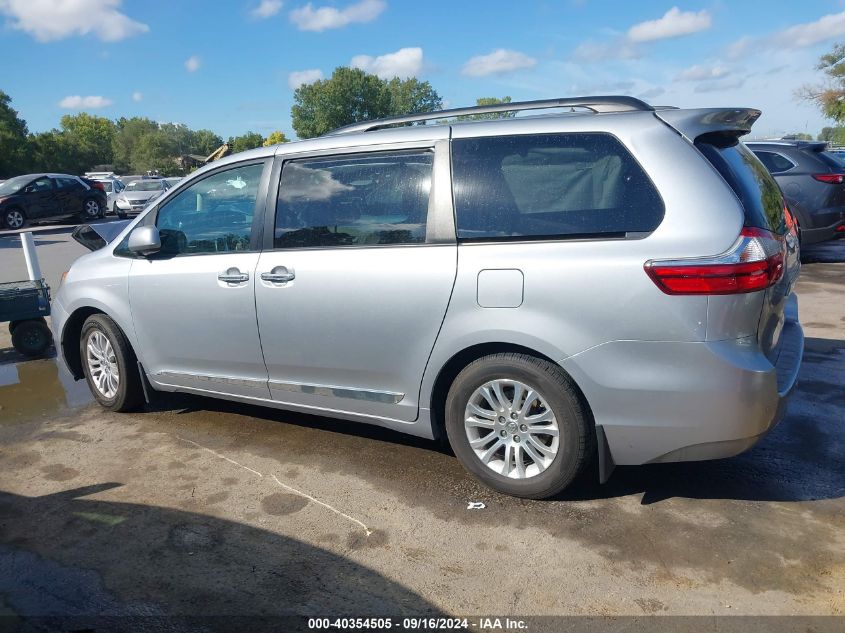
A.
pixel 91 209
pixel 556 400
pixel 14 218
pixel 14 324
pixel 115 391
pixel 31 338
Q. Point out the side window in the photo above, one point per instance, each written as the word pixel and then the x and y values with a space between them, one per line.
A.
pixel 550 185
pixel 775 163
pixel 355 200
pixel 42 184
pixel 213 215
pixel 66 183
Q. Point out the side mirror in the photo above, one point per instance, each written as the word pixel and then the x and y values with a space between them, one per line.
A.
pixel 144 241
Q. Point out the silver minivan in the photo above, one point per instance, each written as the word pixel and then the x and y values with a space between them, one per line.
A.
pixel 610 281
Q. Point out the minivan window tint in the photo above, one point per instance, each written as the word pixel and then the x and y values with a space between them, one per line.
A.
pixel 833 160
pixel 550 186
pixel 213 215
pixel 356 200
pixel 753 184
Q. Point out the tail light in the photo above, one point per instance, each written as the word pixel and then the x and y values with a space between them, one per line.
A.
pixel 98 185
pixel 753 263
pixel 789 219
pixel 831 179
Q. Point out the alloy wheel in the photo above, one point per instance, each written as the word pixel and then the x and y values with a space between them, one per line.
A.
pixel 102 364
pixel 14 219
pixel 92 208
pixel 511 428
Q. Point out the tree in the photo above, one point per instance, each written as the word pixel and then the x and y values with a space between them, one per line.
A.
pixel 205 142
pixel 250 140
pixel 488 101
pixel 410 96
pixel 129 133
pixel 52 151
pixel 13 139
pixel 833 135
pixel 275 138
pixel 830 97
pixel 348 96
pixel 92 138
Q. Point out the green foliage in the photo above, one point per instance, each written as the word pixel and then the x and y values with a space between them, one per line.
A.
pixel 833 135
pixel 351 95
pixel 13 138
pixel 348 96
pixel 91 138
pixel 250 140
pixel 830 97
pixel 275 138
pixel 410 96
pixel 799 136
pixel 488 101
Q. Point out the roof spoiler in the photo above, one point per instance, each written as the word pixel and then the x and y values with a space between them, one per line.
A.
pixel 693 123
pixel 96 236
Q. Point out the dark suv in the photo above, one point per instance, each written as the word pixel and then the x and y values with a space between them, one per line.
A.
pixel 813 183
pixel 48 197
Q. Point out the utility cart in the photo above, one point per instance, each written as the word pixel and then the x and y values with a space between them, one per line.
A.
pixel 24 304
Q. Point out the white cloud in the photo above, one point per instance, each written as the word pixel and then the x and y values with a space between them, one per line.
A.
pixel 137 96
pixel 192 64
pixel 406 62
pixel 77 102
pixel 266 9
pixel 50 20
pixel 674 23
pixel 702 73
pixel 499 61
pixel 810 33
pixel 308 18
pixel 300 77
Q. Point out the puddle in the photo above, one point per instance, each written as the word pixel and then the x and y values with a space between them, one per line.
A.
pixel 38 389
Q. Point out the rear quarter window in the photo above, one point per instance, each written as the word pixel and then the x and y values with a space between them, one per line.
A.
pixel 753 184
pixel 550 186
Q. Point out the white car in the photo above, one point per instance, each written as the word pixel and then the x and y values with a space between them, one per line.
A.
pixel 113 187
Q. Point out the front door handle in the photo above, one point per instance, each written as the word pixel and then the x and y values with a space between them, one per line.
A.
pixel 279 275
pixel 233 276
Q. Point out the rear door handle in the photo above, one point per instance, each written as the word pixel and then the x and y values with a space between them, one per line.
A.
pixel 279 275
pixel 233 276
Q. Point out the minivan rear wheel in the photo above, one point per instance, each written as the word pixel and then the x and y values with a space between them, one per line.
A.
pixel 109 365
pixel 518 424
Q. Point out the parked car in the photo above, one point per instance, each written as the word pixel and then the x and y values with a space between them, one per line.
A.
pixel 137 194
pixel 813 182
pixel 112 187
pixel 540 291
pixel 48 197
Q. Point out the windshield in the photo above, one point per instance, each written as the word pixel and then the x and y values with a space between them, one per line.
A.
pixel 13 184
pixel 835 160
pixel 144 185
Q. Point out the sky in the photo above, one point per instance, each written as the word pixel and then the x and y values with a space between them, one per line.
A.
pixel 232 65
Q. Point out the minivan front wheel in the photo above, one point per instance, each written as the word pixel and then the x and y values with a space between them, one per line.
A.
pixel 109 365
pixel 518 424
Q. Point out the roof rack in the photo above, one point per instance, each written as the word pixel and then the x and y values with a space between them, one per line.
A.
pixel 596 104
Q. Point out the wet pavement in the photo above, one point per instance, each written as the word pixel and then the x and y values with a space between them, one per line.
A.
pixel 197 506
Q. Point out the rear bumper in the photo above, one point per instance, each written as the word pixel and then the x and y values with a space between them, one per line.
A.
pixel 829 225
pixel 674 401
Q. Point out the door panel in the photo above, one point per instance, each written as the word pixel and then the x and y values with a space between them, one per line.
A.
pixel 195 330
pixel 354 286
pixel 354 329
pixel 193 303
